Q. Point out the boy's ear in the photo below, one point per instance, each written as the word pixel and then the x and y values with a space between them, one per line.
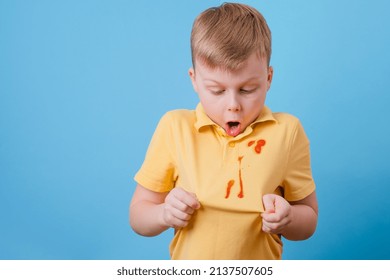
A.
pixel 191 72
pixel 270 75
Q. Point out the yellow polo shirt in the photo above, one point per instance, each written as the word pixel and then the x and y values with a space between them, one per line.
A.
pixel 229 175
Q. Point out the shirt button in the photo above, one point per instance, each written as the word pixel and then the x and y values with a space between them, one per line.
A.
pixel 232 144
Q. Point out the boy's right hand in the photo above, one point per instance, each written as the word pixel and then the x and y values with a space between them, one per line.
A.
pixel 179 207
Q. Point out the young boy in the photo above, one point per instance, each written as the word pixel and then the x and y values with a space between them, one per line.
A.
pixel 231 176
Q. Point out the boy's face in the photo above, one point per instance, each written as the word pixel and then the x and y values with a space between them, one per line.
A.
pixel 233 100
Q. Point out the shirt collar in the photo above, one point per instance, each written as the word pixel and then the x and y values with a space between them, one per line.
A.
pixel 202 120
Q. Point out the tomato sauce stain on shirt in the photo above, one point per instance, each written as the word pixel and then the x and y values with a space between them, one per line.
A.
pixel 259 144
pixel 241 194
pixel 229 187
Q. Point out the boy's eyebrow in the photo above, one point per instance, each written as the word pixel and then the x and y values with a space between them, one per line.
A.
pixel 210 80
pixel 244 82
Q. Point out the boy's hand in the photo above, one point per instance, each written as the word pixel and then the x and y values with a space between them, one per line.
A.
pixel 178 207
pixel 277 213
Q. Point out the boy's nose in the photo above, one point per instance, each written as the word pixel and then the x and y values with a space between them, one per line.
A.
pixel 233 105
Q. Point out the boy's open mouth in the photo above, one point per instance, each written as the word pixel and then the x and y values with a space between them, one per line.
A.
pixel 233 128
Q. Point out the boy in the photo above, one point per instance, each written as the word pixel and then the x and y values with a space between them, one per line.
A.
pixel 231 176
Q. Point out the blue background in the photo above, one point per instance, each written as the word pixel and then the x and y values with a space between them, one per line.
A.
pixel 84 83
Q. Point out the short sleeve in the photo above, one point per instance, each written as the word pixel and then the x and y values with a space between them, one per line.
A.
pixel 158 171
pixel 298 180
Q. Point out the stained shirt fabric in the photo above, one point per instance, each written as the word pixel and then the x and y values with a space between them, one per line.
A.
pixel 229 176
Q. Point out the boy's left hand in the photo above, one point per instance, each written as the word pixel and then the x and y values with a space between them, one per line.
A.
pixel 277 213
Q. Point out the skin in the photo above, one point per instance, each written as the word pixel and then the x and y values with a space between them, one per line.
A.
pixel 233 100
pixel 236 96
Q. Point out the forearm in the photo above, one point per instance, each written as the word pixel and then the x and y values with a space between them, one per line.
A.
pixel 303 223
pixel 146 218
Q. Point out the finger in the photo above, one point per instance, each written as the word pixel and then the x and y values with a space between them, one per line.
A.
pixel 196 205
pixel 270 227
pixel 187 198
pixel 269 203
pixel 175 203
pixel 175 222
pixel 275 227
pixel 272 217
pixel 265 228
pixel 183 216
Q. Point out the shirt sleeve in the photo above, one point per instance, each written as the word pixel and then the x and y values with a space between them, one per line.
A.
pixel 298 180
pixel 158 171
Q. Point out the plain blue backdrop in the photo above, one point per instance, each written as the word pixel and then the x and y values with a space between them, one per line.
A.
pixel 84 83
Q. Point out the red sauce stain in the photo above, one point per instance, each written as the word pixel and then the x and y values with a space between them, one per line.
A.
pixel 241 194
pixel 250 143
pixel 228 188
pixel 260 143
pixel 231 182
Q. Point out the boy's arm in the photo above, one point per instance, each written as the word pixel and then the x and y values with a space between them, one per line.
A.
pixel 151 212
pixel 294 220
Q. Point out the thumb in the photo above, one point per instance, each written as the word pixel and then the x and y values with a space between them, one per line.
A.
pixel 196 204
pixel 269 203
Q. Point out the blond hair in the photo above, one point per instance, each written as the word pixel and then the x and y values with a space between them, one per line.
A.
pixel 225 36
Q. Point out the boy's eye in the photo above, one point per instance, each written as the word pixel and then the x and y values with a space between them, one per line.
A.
pixel 245 91
pixel 217 92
